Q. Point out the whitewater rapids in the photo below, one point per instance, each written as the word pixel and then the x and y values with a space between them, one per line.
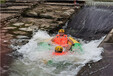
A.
pixel 34 58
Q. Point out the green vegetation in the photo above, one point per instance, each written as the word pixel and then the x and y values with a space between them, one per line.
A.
pixel 2 1
pixel 104 0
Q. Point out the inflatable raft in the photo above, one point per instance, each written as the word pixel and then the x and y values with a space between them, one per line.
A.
pixel 76 47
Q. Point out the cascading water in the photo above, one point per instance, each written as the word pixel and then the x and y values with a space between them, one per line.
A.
pixel 92 22
pixel 34 59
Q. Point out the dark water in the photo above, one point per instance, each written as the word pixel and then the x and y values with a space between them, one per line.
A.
pixel 91 22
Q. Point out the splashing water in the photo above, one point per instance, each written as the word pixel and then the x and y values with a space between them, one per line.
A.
pixel 34 59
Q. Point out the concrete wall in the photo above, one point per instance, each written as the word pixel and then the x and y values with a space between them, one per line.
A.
pixel 108 39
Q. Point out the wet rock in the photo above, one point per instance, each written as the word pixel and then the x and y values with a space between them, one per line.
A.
pixel 71 10
pixel 9 28
pixel 49 10
pixel 32 13
pixel 34 27
pixel 65 8
pixel 16 54
pixel 45 26
pixel 13 20
pixel 67 13
pixel 18 24
pixel 18 42
pixel 42 28
pixel 22 37
pixel 29 29
pixel 4 31
pixel 46 15
pixel 19 32
pixel 28 24
pixel 25 29
pixel 60 22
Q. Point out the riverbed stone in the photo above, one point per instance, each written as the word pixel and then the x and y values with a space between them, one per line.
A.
pixel 19 32
pixel 9 28
pixel 60 22
pixel 44 25
pixel 18 24
pixel 42 28
pixel 46 15
pixel 22 37
pixel 3 31
pixel 13 20
pixel 25 29
pixel 67 13
pixel 32 13
pixel 28 24
pixel 71 10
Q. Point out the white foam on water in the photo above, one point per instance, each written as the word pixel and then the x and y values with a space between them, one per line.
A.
pixel 35 58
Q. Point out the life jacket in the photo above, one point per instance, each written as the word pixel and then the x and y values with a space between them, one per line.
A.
pixel 61 40
pixel 59 54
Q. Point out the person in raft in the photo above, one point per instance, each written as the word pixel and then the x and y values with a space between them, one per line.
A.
pixel 61 39
pixel 59 51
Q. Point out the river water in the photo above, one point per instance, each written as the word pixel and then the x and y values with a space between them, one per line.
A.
pixel 34 60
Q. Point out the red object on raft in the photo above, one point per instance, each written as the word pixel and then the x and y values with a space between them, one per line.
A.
pixel 59 54
pixel 75 2
pixel 61 40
